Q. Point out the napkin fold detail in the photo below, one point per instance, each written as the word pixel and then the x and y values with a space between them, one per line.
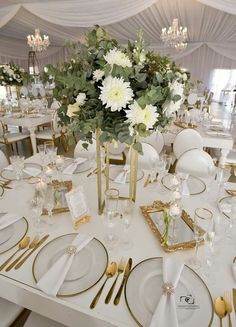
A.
pixel 70 169
pixel 121 177
pixel 53 279
pixel 8 219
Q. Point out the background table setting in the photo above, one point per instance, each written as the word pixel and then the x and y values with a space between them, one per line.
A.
pixel 110 270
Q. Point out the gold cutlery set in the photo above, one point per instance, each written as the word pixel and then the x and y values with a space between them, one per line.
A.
pixel 111 271
pixel 223 306
pixel 29 248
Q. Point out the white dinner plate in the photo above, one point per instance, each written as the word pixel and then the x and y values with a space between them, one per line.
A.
pixel 6 233
pixel 81 168
pixel 16 231
pixel 114 171
pixel 9 174
pixel 88 267
pixel 144 289
pixel 195 185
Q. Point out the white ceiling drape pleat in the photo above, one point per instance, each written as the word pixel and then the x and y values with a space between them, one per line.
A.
pixel 228 6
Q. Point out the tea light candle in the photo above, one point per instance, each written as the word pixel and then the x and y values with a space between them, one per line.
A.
pixel 175 210
pixel 174 181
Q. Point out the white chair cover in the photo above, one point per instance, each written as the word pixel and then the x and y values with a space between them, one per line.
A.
pixel 195 162
pixel 149 156
pixel 186 140
pixel 89 153
pixel 3 160
pixel 8 312
pixel 156 140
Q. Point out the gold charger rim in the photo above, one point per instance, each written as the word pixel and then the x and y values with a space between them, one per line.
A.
pixel 26 178
pixel 73 294
pixel 195 193
pixel 27 227
pixel 141 262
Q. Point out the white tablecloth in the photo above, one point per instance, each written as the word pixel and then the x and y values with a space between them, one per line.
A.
pixel 18 285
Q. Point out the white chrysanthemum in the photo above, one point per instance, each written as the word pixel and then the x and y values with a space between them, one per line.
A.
pixel 116 57
pixel 115 93
pixel 71 109
pixel 147 116
pixel 98 74
pixel 80 99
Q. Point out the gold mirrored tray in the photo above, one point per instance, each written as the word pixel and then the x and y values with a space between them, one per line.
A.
pixel 184 239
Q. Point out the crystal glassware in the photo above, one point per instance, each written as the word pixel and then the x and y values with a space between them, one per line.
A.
pixel 60 160
pixel 202 224
pixel 111 217
pixel 18 164
pixel 37 209
pixel 126 217
pixel 49 203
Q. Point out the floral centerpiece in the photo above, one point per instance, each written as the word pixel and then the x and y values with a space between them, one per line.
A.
pixel 122 91
pixel 11 74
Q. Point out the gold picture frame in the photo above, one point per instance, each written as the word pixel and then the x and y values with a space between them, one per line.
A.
pixel 159 206
pixel 57 185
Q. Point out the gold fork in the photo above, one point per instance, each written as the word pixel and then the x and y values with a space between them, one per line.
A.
pixel 228 305
pixel 121 268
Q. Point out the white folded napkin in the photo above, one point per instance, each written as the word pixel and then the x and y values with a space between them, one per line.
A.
pixel 7 219
pixel 121 177
pixel 70 169
pixel 51 282
pixel 213 133
pixel 165 313
pixel 32 171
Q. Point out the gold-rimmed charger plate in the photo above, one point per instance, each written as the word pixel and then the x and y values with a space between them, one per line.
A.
pixel 196 185
pixel 9 174
pixel 20 229
pixel 88 267
pixel 143 290
pixel 114 171
pixel 1 191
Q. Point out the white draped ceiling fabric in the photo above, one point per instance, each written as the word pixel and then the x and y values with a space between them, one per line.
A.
pixel 211 28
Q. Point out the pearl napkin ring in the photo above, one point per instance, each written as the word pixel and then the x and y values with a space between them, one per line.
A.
pixel 168 289
pixel 71 249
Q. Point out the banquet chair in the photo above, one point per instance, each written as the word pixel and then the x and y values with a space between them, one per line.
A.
pixel 11 314
pixel 200 163
pixel 54 133
pixel 185 140
pixel 192 100
pixel 148 158
pixel 155 139
pixel 88 153
pixel 8 139
pixel 3 160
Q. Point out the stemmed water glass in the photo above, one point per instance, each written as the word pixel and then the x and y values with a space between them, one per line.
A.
pixel 126 217
pixel 18 164
pixel 51 151
pixel 60 160
pixel 202 227
pixel 49 202
pixel 36 207
pixel 111 216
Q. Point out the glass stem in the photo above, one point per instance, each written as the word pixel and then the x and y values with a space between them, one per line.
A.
pixel 196 249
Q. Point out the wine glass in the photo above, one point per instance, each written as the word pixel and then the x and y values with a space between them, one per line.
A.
pixel 202 227
pixel 49 203
pixel 126 217
pixel 42 153
pixel 36 207
pixel 60 160
pixel 50 151
pixel 111 216
pixel 18 164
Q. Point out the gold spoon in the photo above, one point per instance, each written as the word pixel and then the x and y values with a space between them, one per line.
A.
pixel 121 268
pixel 220 308
pixel 110 272
pixel 22 245
pixel 31 246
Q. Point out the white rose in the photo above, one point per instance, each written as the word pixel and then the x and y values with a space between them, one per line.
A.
pixel 71 109
pixel 80 99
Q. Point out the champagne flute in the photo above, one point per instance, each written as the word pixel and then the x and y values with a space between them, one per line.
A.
pixel 49 202
pixel 202 223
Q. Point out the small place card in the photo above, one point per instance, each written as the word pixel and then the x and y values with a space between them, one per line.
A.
pixel 77 204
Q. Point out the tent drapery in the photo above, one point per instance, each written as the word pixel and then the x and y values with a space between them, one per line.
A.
pixel 208 28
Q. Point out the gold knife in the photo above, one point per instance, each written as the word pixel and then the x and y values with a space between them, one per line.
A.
pixel 29 254
pixel 126 274
pixel 92 172
pixel 234 298
pixel 147 181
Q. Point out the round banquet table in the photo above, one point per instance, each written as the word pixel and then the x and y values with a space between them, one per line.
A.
pixel 18 285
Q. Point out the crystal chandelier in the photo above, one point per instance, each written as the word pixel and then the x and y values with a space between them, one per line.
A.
pixel 38 43
pixel 175 36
